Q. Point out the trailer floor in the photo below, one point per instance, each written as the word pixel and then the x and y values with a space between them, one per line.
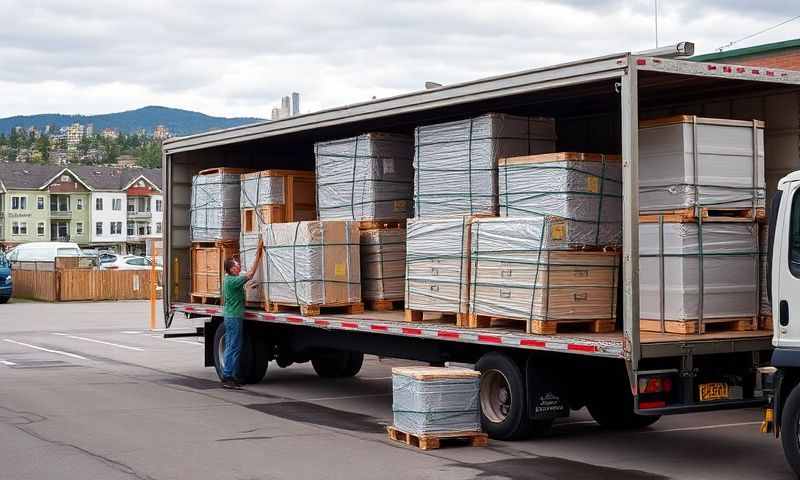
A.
pixel 107 399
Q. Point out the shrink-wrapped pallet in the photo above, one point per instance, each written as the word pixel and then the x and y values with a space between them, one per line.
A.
pixel 383 264
pixel 437 265
pixel 582 187
pixel 455 163
pixel 215 205
pixel 517 272
pixel 367 177
pixel 312 263
pixel 277 196
pixel 765 306
pixel 248 248
pixel 431 400
pixel 687 161
pixel 684 274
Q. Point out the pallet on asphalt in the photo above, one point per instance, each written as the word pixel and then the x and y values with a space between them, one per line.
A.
pixel 435 440
pixel 707 214
pixel 546 327
pixel 384 305
pixel 315 310
pixel 457 319
pixel 689 327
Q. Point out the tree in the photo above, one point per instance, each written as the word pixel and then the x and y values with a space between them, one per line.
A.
pixel 149 155
pixel 42 146
pixel 110 149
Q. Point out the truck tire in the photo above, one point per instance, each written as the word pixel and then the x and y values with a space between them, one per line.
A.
pixel 337 363
pixel 790 430
pixel 612 406
pixel 502 399
pixel 254 358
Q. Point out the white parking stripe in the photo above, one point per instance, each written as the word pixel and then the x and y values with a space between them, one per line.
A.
pixel 6 362
pixel 128 347
pixel 704 427
pixel 59 352
pixel 131 332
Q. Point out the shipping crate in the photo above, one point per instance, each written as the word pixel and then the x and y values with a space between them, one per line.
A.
pixel 518 274
pixel 214 207
pixel 312 266
pixel 277 196
pixel 208 269
pixel 383 266
pixel 686 161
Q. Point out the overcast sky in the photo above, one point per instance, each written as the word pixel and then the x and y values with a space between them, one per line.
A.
pixel 238 57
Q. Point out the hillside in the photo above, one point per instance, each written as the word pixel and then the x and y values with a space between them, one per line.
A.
pixel 179 122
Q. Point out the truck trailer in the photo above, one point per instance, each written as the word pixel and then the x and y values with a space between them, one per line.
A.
pixel 627 378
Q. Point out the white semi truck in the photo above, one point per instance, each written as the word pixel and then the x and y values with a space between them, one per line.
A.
pixel 627 379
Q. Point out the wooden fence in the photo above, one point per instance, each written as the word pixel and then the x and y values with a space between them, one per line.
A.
pixel 43 281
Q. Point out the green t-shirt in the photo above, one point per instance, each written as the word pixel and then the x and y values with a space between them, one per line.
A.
pixel 233 293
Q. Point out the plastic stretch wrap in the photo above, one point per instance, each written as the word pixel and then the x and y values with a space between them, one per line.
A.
pixel 312 263
pixel 690 161
pixel 437 265
pixel 455 163
pixel 765 306
pixel 215 207
pixel 670 282
pixel 261 190
pixel 248 245
pixel 383 263
pixel 517 273
pixel 365 178
pixel 432 406
pixel 585 188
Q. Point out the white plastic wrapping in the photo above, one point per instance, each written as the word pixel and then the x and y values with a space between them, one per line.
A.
pixel 312 263
pixel 215 207
pixel 383 264
pixel 765 306
pixel 446 405
pixel 248 245
pixel 365 178
pixel 437 265
pixel 261 190
pixel 729 264
pixel 689 161
pixel 584 188
pixel 455 163
pixel 517 273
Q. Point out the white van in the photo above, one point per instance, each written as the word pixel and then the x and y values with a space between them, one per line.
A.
pixel 43 251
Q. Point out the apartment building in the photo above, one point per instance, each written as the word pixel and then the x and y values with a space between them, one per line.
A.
pixel 102 207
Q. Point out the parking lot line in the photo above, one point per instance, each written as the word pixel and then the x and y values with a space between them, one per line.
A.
pixel 704 427
pixel 36 347
pixel 6 362
pixel 127 347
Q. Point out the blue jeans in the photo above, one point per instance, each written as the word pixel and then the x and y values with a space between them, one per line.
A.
pixel 233 346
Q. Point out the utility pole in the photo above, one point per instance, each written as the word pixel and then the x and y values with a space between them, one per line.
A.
pixel 655 8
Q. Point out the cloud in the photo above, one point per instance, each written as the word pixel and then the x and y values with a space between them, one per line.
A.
pixel 239 57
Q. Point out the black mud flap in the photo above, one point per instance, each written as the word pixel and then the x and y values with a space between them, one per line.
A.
pixel 547 392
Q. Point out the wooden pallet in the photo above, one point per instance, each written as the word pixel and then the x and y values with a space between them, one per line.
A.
pixel 377 224
pixel 259 305
pixel 205 299
pixel 224 170
pixel 690 327
pixel 384 305
pixel 458 319
pixel 765 322
pixel 315 310
pixel 434 441
pixel 547 327
pixel 708 214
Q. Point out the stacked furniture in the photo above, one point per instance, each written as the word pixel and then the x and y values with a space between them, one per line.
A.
pixel 276 196
pixel 701 194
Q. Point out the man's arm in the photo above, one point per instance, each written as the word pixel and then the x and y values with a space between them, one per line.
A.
pixel 257 262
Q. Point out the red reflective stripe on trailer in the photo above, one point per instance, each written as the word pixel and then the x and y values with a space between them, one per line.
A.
pixel 581 348
pixel 489 339
pixel 712 67
pixel 754 71
pixel 411 331
pixel 740 69
pixel 268 316
pixel 448 334
pixel 294 319
pixel 380 328
pixel 654 404
pixel 770 73
pixel 349 325
pixel 186 309
pixel 641 61
pixel 321 323
pixel 532 343
pixel 212 310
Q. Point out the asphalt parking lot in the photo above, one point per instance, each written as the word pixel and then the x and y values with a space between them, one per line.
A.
pixel 88 392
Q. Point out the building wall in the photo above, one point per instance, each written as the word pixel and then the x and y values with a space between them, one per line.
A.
pixel 788 59
pixel 81 215
pixel 31 215
pixel 158 215
pixel 108 215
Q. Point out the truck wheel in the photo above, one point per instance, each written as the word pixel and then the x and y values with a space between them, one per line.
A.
pixel 790 430
pixel 253 361
pixel 337 364
pixel 612 407
pixel 503 398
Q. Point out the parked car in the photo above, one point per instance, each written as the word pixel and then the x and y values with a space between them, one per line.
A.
pixel 5 279
pixel 43 251
pixel 128 262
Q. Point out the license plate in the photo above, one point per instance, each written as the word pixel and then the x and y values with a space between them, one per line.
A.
pixel 713 391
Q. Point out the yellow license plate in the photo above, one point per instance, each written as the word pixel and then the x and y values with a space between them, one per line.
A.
pixel 713 391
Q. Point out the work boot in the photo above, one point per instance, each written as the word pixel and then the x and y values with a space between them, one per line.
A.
pixel 231 384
